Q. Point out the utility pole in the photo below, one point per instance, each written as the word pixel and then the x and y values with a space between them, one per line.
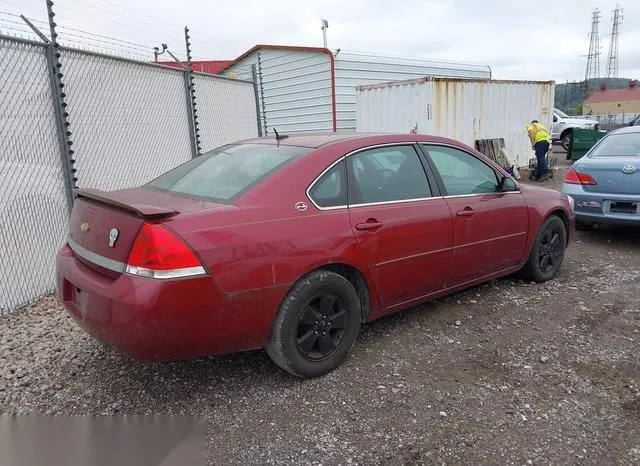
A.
pixel 325 26
pixel 612 62
pixel 592 72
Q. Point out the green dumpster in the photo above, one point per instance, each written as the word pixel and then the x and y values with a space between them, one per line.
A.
pixel 582 141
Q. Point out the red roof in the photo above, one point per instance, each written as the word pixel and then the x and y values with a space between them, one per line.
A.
pixel 614 95
pixel 292 48
pixel 204 66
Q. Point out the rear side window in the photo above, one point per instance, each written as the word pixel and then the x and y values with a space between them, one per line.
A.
pixel 331 188
pixel 223 173
pixel 618 145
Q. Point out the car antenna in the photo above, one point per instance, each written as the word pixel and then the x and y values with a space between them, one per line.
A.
pixel 278 137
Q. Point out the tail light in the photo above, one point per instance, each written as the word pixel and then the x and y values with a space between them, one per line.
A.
pixel 575 177
pixel 159 253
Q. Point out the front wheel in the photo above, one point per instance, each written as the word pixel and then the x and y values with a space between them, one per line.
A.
pixel 547 252
pixel 316 326
pixel 566 140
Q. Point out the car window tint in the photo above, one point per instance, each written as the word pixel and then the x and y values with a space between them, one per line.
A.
pixel 618 145
pixel 462 173
pixel 387 174
pixel 331 189
pixel 225 172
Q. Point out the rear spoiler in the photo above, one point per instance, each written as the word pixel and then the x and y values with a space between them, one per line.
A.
pixel 117 199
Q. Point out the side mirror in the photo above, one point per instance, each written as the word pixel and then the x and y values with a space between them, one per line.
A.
pixel 555 119
pixel 507 185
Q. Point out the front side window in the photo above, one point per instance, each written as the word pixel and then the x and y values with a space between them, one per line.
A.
pixel 461 172
pixel 223 173
pixel 331 189
pixel 387 174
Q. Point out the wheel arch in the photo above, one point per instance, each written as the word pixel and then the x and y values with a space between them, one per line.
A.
pixel 562 215
pixel 361 283
pixel 566 131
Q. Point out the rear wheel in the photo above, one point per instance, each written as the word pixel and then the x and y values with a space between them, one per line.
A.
pixel 316 326
pixel 547 252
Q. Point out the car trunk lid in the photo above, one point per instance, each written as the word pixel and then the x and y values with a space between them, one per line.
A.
pixel 613 175
pixel 104 225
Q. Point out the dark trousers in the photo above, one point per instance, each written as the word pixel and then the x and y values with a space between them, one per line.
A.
pixel 541 149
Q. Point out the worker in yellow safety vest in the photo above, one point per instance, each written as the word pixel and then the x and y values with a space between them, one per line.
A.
pixel 540 142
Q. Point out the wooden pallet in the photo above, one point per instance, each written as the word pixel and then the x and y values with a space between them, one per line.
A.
pixel 493 148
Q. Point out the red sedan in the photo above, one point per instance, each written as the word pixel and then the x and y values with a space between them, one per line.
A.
pixel 291 243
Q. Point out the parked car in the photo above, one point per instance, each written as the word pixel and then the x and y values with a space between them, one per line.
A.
pixel 292 243
pixel 605 183
pixel 563 126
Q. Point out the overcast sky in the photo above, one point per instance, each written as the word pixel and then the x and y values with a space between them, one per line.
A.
pixel 519 39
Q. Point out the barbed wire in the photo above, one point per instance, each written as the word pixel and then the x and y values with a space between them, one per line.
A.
pixel 139 32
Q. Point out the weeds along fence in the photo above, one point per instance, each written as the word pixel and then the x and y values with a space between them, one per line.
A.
pixel 71 118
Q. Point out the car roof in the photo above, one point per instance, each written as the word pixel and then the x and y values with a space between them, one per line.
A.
pixel 316 140
pixel 627 129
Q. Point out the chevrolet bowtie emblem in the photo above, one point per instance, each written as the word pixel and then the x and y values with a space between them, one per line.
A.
pixel 85 227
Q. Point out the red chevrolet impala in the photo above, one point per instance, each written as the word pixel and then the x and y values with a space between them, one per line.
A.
pixel 291 243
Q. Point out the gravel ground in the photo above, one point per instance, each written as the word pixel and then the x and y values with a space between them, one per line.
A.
pixel 506 373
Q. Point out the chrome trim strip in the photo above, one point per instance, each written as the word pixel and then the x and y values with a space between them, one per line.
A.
pixel 401 201
pixel 121 267
pixel 165 274
pixel 480 194
pixel 104 262
pixel 344 157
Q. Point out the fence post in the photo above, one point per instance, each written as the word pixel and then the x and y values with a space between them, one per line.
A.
pixel 191 91
pixel 254 75
pixel 58 94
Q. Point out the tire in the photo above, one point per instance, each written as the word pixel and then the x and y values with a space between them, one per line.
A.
pixel 566 140
pixel 322 312
pixel 551 243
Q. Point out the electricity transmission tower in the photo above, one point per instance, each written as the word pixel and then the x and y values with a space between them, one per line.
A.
pixel 592 72
pixel 612 62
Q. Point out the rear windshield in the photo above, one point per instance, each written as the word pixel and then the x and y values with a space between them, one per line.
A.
pixel 618 145
pixel 223 173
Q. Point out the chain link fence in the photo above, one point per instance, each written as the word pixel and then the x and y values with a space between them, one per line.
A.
pixel 614 121
pixel 128 122
pixel 33 201
pixel 129 119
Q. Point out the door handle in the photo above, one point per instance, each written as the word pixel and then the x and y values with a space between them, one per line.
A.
pixel 369 225
pixel 467 212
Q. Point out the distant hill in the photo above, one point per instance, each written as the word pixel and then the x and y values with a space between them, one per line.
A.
pixel 569 100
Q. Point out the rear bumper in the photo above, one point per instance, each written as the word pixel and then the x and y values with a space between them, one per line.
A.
pixel 154 320
pixel 596 207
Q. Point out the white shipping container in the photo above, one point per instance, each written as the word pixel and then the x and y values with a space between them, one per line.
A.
pixel 461 109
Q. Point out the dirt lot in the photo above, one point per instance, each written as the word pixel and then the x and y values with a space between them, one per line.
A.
pixel 506 373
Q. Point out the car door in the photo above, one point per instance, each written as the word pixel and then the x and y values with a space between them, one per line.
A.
pixel 402 225
pixel 490 225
